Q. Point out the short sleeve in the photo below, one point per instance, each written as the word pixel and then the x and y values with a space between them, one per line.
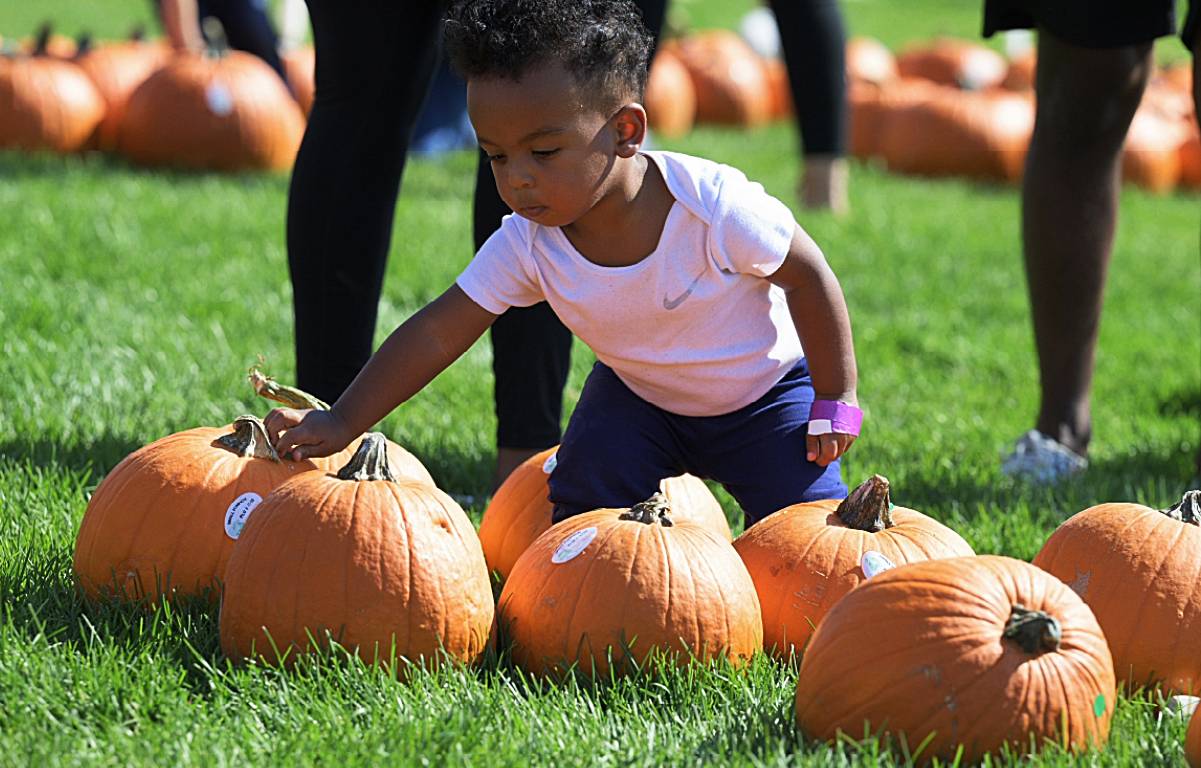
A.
pixel 502 274
pixel 751 231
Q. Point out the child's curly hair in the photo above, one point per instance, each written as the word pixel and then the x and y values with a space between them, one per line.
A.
pixel 603 43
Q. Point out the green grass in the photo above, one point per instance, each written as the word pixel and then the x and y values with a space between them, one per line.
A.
pixel 133 302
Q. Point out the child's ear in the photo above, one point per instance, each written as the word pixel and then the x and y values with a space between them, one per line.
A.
pixel 629 126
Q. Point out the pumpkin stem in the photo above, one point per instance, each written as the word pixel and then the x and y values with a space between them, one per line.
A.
pixel 1187 510
pixel 42 41
pixel 370 461
pixel 868 507
pixel 1034 631
pixel 268 387
pixel 656 509
pixel 250 440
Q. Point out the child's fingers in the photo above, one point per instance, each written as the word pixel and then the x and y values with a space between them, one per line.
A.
pixel 286 428
pixel 824 449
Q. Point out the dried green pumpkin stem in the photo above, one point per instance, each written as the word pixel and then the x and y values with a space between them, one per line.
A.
pixel 1034 631
pixel 250 440
pixel 868 507
pixel 1187 510
pixel 370 461
pixel 268 387
pixel 656 509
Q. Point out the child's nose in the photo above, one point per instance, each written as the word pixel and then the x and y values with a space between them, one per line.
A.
pixel 520 176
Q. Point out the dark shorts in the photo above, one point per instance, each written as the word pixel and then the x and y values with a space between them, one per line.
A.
pixel 1086 23
pixel 617 447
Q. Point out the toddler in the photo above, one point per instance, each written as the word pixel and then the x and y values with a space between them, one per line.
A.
pixel 722 339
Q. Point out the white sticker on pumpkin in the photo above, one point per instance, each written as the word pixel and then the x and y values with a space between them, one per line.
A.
pixel 574 545
pixel 239 511
pixel 874 563
pixel 551 462
pixel 219 99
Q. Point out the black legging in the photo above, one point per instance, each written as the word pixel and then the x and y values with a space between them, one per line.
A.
pixel 246 28
pixel 375 60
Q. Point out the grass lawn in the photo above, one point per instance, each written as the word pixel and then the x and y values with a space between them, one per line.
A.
pixel 133 302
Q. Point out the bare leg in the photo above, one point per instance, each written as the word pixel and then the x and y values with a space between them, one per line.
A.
pixel 824 182
pixel 1086 100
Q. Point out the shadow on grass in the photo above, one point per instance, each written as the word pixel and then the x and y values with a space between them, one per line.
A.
pixel 51 165
pixel 1152 476
pixel 100 454
pixel 39 600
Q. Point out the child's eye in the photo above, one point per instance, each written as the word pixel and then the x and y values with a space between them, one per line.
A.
pixel 545 152
pixel 495 158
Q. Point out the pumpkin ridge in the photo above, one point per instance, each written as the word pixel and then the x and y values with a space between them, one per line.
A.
pixel 1158 520
pixel 1169 557
pixel 906 684
pixel 635 553
pixel 565 642
pixel 135 542
pixel 696 618
pixel 127 476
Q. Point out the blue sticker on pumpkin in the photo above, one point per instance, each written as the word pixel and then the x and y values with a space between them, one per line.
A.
pixel 1099 705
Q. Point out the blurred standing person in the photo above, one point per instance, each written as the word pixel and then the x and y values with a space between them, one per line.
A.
pixel 812 37
pixel 244 23
pixel 1094 62
pixel 375 62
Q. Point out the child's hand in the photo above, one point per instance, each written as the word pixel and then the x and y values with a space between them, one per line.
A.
pixel 824 449
pixel 307 433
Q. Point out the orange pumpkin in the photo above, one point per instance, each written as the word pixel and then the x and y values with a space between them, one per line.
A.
pixel 230 112
pixel 960 133
pixel 403 463
pixel 390 568
pixel 520 512
pixel 49 43
pixel 971 652
pixel 1190 156
pixel 779 88
pixel 1021 72
pixel 669 98
pixel 300 65
pixel 868 106
pixel 163 522
pixel 731 86
pixel 609 587
pixel 870 61
pixel 952 61
pixel 116 71
pixel 1140 571
pixel 805 558
pixel 1192 740
pixel 46 103
pixel 1151 154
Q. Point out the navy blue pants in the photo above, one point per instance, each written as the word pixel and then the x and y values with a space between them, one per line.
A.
pixel 617 447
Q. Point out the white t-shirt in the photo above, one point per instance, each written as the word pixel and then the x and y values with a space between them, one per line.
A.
pixel 694 328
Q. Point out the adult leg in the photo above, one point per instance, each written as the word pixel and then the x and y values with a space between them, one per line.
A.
pixel 1192 38
pixel 531 348
pixel 247 28
pixel 1070 194
pixel 375 59
pixel 814 42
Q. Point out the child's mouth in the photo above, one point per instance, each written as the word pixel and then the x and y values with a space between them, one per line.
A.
pixel 533 211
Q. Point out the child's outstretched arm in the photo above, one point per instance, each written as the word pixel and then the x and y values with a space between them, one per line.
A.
pixel 819 312
pixel 417 351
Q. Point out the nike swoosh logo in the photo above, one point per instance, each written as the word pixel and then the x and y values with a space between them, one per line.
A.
pixel 670 304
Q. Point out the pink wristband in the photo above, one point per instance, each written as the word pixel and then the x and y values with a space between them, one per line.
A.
pixel 828 416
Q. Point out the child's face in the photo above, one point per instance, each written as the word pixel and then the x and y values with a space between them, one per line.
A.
pixel 552 155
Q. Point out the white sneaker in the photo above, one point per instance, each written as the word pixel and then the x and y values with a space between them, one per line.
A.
pixel 1037 458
